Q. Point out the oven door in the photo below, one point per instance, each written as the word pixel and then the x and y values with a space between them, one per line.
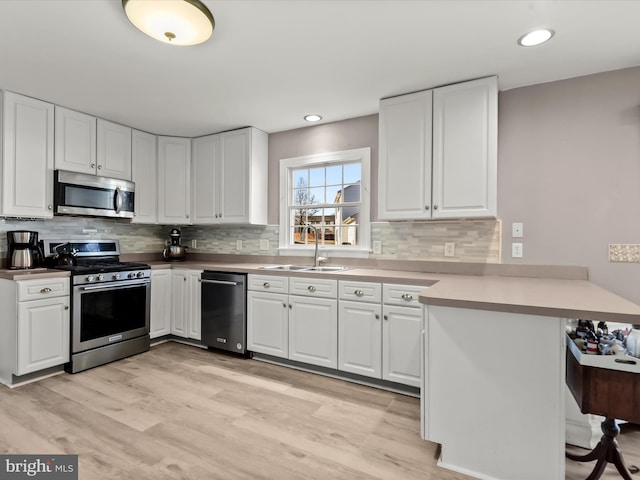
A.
pixel 109 313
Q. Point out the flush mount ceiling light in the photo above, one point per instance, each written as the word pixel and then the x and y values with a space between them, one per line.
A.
pixel 312 118
pixel 177 22
pixel 536 37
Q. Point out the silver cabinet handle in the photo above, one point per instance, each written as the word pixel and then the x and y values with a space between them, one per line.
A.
pixel 407 297
pixel 93 165
pixel 49 207
pixel 46 290
pixel 358 293
pixel 377 317
pixel 217 282
pixel 386 317
pixel 66 307
pixel 284 305
pixel 435 207
pixel 99 167
pixel 186 215
pixel 266 285
pixel 290 307
pixel 426 207
pixel 311 288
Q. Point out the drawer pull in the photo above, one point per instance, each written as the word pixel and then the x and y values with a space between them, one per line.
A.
pixel 407 297
pixel 377 317
pixel 385 317
pixel 358 293
pixel 311 288
pixel 266 285
pixel 46 290
pixel 284 305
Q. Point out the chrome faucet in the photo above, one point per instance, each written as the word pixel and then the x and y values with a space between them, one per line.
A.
pixel 316 260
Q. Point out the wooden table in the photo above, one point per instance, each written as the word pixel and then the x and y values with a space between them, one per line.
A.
pixel 614 394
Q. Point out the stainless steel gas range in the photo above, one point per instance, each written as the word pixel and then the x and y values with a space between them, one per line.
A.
pixel 110 303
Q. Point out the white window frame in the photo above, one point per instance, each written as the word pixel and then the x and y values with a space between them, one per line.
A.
pixel 362 155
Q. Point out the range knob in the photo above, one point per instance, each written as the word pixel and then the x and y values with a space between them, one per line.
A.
pixel 89 278
pixel 100 277
pixel 140 274
pixel 115 276
pixel 131 275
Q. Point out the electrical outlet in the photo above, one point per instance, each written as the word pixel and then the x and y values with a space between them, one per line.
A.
pixel 516 250
pixel 238 244
pixel 194 243
pixel 449 249
pixel 517 230
pixel 377 247
pixel 264 244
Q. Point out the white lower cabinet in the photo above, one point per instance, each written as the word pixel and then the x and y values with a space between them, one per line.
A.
pixel 35 326
pixel 379 331
pixel 160 303
pixel 365 328
pixel 185 303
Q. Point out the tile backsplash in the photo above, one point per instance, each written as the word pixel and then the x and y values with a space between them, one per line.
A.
pixel 475 241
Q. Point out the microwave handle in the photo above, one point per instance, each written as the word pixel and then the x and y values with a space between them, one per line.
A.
pixel 118 200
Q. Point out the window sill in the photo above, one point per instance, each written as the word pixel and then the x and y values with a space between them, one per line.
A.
pixel 330 252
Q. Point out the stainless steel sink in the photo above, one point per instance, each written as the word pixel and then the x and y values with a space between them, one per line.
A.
pixel 325 269
pixel 286 267
pixel 305 268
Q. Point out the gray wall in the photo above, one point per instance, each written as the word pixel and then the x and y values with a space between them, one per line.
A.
pixel 569 168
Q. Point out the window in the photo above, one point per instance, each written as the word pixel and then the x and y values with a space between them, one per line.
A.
pixel 325 196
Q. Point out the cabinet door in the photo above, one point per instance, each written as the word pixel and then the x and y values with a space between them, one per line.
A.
pixel 160 303
pixel 404 178
pixel 267 323
pixel 179 303
pixel 43 334
pixel 144 173
pixel 194 324
pixel 313 331
pixel 360 338
pixel 235 175
pixel 27 167
pixel 75 145
pixel 174 167
pixel 401 330
pixel 465 123
pixel 114 150
pixel 205 179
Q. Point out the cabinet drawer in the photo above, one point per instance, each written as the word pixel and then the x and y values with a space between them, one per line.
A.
pixel 268 283
pixel 360 291
pixel 406 295
pixel 42 288
pixel 313 287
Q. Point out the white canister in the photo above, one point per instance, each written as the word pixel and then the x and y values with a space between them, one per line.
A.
pixel 633 341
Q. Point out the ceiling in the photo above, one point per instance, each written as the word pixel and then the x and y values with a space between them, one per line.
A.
pixel 271 62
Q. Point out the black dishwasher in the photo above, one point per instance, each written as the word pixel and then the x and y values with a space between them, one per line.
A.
pixel 224 310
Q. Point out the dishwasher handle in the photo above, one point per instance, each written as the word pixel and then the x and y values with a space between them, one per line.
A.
pixel 219 282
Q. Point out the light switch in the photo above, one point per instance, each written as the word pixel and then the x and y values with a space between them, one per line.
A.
pixel 238 244
pixel 516 250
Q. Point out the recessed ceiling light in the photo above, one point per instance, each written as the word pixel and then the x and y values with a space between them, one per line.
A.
pixel 177 22
pixel 536 37
pixel 312 118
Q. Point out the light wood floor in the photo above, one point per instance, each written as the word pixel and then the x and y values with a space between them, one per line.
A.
pixel 180 412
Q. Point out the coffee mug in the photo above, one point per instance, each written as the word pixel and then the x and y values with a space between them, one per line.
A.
pixel 592 347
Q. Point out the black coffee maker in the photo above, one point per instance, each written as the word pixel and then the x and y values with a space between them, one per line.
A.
pixel 24 251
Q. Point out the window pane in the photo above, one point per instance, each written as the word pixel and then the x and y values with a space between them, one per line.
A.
pixel 334 175
pixel 348 233
pixel 301 196
pixel 316 195
pixel 352 173
pixel 351 193
pixel 334 194
pixel 316 176
pixel 301 178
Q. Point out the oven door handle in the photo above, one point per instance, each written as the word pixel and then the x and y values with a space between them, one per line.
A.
pixel 114 287
pixel 219 282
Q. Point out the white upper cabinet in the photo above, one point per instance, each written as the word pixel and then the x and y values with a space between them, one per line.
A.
pixel 465 144
pixel 438 153
pixel 27 157
pixel 114 150
pixel 75 146
pixel 174 180
pixel 87 144
pixel 404 178
pixel 229 177
pixel 144 173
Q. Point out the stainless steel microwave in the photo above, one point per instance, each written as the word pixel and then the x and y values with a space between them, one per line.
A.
pixel 91 195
